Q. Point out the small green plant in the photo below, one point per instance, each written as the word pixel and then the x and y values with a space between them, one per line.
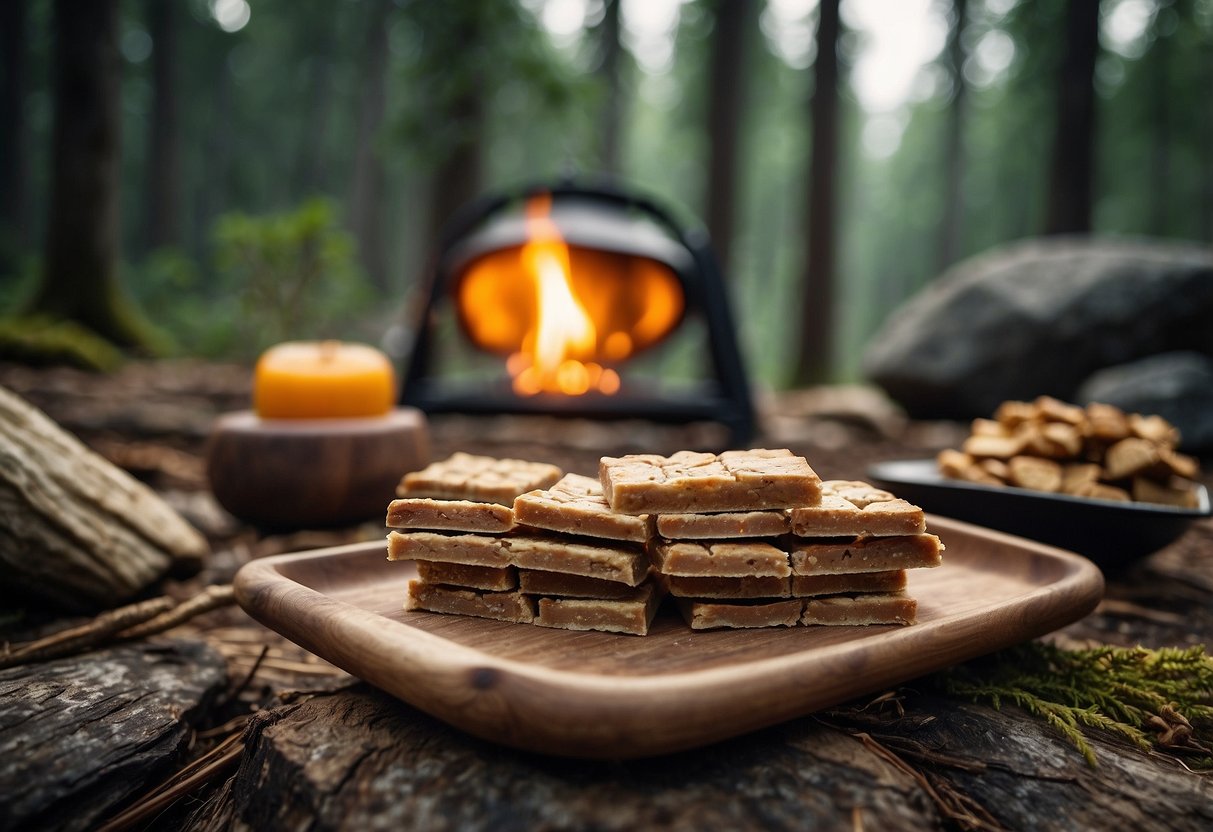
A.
pixel 1151 698
pixel 293 275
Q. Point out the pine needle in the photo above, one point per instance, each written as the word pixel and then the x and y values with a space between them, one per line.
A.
pixel 1155 699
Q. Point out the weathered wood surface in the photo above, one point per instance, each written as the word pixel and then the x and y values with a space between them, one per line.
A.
pixel 79 736
pixel 359 759
pixel 75 529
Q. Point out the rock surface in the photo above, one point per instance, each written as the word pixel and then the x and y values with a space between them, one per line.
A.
pixel 1176 385
pixel 80 735
pixel 1039 317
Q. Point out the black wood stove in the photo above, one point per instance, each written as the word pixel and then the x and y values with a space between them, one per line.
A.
pixel 582 300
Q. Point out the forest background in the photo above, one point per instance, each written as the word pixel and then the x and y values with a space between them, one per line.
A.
pixel 280 168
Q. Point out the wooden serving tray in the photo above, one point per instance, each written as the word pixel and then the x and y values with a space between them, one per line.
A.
pixel 616 696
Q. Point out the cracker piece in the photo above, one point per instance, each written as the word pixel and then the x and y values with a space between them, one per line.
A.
pixel 620 563
pixel 1034 473
pixel 1012 414
pixel 1058 440
pixel 723 525
pixel 851 508
pixel 750 586
pixel 727 559
pixel 987 427
pixel 1078 475
pixel 952 463
pixel 1155 429
pixel 893 608
pixel 1055 410
pixel 1179 493
pixel 1106 423
pixel 449 515
pixel 709 615
pixel 1100 491
pixel 471 549
pixel 1001 447
pixel 483 479
pixel 806 585
pixel 503 606
pixel 493 578
pixel 698 482
pixel 1129 457
pixel 1181 465
pixel 632 615
pixel 995 468
pixel 575 505
pixel 866 554
pixel 534 582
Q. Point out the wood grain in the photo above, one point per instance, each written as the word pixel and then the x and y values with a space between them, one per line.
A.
pixel 604 695
pixel 293 473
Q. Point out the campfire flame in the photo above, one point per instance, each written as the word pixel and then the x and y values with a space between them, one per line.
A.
pixel 563 314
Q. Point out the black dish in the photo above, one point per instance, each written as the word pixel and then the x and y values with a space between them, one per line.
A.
pixel 1110 533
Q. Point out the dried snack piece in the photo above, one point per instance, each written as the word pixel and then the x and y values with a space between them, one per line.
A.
pixel 699 482
pixel 502 606
pixel 1106 423
pixel 1077 475
pixel 534 582
pixel 709 615
pixel 1181 494
pixel 1035 473
pixel 730 559
pixel 707 586
pixel 575 505
pixel 1130 457
pixel 1100 491
pixel 722 525
pixel 866 554
pixel 1057 440
pixel 1155 429
pixel 493 578
pixel 480 478
pixel 1055 410
pixel 890 581
pixel 472 549
pixel 894 608
pixel 850 509
pixel 620 563
pixel 449 515
pixel 631 615
pixel 1001 447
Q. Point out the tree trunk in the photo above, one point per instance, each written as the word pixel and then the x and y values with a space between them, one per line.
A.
pixel 366 191
pixel 1070 182
pixel 14 139
pixel 310 162
pixel 725 96
pixel 610 68
pixel 817 332
pixel 953 208
pixel 1156 61
pixel 162 223
pixel 80 282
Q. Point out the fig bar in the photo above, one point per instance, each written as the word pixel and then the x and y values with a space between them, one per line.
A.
pixel 479 478
pixel 575 505
pixel 699 482
pixel 449 515
pixel 631 614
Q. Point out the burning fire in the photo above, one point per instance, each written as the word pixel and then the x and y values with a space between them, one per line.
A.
pixel 562 314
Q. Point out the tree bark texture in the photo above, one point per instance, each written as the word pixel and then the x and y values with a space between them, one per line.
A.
pixel 950 227
pixel 14 133
pixel 816 356
pixel 79 736
pixel 163 221
pixel 75 529
pixel 367 192
pixel 1070 183
pixel 359 759
pixel 726 99
pixel 610 69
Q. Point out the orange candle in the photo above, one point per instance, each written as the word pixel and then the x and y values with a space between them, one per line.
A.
pixel 323 380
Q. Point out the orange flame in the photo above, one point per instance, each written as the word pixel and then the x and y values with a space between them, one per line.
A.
pixel 562 314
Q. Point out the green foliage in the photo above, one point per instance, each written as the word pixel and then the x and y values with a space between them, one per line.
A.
pixel 1125 692
pixel 39 340
pixel 293 275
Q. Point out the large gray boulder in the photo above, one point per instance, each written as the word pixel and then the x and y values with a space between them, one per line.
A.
pixel 1039 317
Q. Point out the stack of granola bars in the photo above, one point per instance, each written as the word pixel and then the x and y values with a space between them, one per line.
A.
pixel 576 565
pixel 755 539
pixel 740 539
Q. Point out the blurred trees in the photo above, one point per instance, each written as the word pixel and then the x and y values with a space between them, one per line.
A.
pixel 398 111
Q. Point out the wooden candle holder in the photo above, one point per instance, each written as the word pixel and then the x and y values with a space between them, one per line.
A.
pixel 313 473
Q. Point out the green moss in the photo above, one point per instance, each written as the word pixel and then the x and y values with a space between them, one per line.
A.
pixel 1154 699
pixel 40 340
